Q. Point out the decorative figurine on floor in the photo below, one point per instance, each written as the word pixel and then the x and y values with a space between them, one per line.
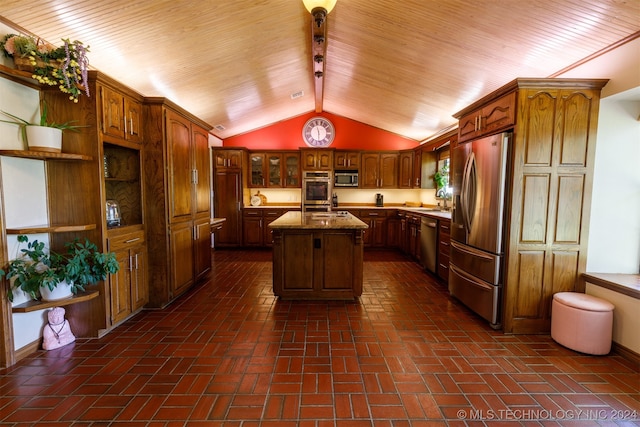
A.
pixel 57 332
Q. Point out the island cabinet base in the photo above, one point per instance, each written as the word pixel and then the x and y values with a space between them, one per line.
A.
pixel 317 264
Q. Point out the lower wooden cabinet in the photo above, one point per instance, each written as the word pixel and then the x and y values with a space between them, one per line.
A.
pixel 317 264
pixel 255 225
pixel 413 236
pixel 202 246
pixel 128 288
pixel 444 237
pixel 376 235
pixel 190 243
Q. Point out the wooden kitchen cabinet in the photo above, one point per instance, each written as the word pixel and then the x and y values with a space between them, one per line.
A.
pixel 255 222
pixel 317 159
pixel 343 159
pixel 416 178
pixel 291 169
pixel 227 159
pixel 129 287
pixel 121 115
pixel 413 236
pixel 552 160
pixel 227 189
pixel 406 164
pixel 376 219
pixel 274 169
pixel 379 170
pixel 444 238
pixel 178 199
pixel 317 264
pixel 490 118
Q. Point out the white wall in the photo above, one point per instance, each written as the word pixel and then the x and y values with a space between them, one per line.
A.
pixel 626 321
pixel 614 231
pixel 24 195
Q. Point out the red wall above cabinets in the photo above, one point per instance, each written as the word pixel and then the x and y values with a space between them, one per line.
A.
pixel 350 134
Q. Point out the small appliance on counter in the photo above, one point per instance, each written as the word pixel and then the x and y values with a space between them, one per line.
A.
pixel 334 200
pixel 113 213
pixel 379 200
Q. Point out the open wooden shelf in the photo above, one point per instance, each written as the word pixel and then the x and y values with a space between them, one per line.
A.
pixel 43 155
pixel 22 77
pixel 30 306
pixel 37 229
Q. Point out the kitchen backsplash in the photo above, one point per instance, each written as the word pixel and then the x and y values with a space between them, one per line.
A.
pixel 346 196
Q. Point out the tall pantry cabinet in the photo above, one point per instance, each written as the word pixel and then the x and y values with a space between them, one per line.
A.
pixel 177 193
pixel 554 124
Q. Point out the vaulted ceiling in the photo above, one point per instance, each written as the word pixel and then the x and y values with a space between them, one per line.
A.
pixel 402 66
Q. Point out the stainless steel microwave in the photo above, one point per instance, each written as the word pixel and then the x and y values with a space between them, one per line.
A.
pixel 346 178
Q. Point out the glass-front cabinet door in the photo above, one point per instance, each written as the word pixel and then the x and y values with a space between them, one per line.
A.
pixel 257 166
pixel 292 170
pixel 275 169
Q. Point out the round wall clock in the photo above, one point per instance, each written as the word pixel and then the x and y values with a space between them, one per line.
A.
pixel 318 132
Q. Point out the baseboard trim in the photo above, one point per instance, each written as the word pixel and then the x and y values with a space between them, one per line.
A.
pixel 625 353
pixel 28 349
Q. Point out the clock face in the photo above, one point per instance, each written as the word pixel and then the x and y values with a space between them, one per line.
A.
pixel 318 132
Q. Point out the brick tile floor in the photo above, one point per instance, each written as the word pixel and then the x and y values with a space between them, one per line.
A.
pixel 230 354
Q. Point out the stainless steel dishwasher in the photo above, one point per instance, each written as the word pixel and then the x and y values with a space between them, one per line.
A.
pixel 428 243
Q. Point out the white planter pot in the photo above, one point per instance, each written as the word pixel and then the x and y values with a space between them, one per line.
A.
pixel 42 138
pixel 62 291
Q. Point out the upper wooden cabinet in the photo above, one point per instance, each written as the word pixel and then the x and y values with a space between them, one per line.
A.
pixel 121 115
pixel 227 159
pixel 405 174
pixel 274 169
pixel 379 170
pixel 188 156
pixel 497 115
pixel 416 179
pixel 316 159
pixel 346 159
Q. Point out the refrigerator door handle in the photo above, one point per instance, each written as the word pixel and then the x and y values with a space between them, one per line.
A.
pixel 470 251
pixel 466 196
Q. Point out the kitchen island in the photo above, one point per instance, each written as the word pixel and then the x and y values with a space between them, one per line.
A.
pixel 317 255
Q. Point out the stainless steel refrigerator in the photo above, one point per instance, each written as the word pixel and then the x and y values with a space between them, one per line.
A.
pixel 479 176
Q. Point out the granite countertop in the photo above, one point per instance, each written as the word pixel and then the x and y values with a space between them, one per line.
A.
pixel 419 210
pixel 318 220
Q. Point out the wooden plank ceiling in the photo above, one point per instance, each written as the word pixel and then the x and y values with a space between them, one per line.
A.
pixel 403 66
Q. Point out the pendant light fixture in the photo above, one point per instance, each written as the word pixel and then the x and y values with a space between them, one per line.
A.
pixel 319 10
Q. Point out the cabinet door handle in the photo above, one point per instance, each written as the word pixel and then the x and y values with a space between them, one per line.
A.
pixel 136 262
pixel 130 263
pixel 124 119
pixel 132 240
pixel 130 124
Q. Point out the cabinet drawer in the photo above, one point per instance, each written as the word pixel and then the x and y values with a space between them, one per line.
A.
pixel 444 247
pixel 272 213
pixel 252 213
pixel 125 240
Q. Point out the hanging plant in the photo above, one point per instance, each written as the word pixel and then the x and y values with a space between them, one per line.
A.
pixel 66 66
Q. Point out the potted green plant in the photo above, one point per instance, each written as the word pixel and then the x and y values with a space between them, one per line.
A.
pixel 65 66
pixel 44 135
pixel 37 271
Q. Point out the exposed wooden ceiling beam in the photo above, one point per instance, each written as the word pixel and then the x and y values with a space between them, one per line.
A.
pixel 318 53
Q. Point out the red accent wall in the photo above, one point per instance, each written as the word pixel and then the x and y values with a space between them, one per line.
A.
pixel 350 134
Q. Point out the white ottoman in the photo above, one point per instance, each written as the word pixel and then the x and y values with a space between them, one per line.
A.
pixel 582 322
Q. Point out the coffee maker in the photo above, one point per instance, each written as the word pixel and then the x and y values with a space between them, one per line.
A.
pixel 379 201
